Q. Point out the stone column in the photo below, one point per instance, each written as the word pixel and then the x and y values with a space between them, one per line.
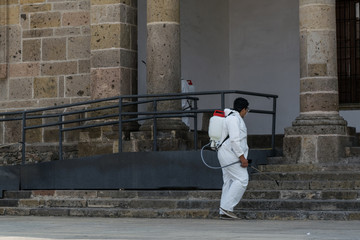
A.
pixel 163 55
pixel 114 50
pixel 319 134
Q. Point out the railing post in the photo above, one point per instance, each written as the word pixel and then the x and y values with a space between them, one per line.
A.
pixel 195 125
pixel 222 100
pixel 155 127
pixel 23 137
pixel 60 137
pixel 120 125
pixel 273 127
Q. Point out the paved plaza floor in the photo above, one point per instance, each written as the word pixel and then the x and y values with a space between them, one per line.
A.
pixel 46 228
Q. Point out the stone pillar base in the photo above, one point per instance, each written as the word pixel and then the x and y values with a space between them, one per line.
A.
pixel 316 139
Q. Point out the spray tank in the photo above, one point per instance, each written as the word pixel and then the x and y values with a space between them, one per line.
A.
pixel 215 131
pixel 216 125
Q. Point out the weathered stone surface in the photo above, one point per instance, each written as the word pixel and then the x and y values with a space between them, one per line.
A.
pixel 326 2
pixel 24 70
pixel 52 102
pixel 35 8
pixel 128 59
pixel 77 86
pixel 63 6
pixel 79 47
pixel 9 15
pixel 163 11
pixel 134 37
pixel 12 131
pixel 31 203
pixel 308 147
pixel 105 58
pixel 92 148
pixel 128 14
pixel 102 2
pixel 105 14
pixel 36 33
pixel 3 71
pixel 53 49
pixel 321 47
pixel 84 66
pixel 310 102
pixel 34 135
pixel 85 5
pixel 318 84
pixel 163 68
pixel 8 2
pixel 32 50
pixel 75 18
pixel 292 148
pixel 59 68
pixel 20 88
pixel 317 70
pixel 331 148
pixel 14 43
pixel 67 31
pixel 105 82
pixel 163 62
pixel 22 2
pixel 51 135
pixel 45 87
pixel 317 16
pixel 25 21
pixel 316 129
pixel 105 36
pixel 45 20
pixel 3 37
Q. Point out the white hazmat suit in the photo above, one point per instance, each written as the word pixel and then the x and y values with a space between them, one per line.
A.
pixel 235 177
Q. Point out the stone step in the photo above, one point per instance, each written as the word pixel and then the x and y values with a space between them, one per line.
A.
pixel 109 212
pixel 256 204
pixel 260 204
pixel 298 176
pixel 311 168
pixel 183 195
pixel 298 215
pixel 110 194
pixel 11 197
pixel 303 205
pixel 305 185
pixel 159 202
pixel 252 214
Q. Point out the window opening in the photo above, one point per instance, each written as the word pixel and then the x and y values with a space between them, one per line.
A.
pixel 348 50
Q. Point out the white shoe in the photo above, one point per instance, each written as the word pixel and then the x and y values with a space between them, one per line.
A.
pixel 229 213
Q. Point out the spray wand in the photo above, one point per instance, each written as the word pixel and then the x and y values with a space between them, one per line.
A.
pixel 261 172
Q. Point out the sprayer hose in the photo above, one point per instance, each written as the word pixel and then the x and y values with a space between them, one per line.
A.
pixel 202 158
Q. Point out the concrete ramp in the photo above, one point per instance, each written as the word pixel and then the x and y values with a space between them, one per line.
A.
pixel 141 170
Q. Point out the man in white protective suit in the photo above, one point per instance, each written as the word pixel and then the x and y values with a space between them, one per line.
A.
pixel 234 149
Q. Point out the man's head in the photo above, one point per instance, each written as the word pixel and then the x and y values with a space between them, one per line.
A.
pixel 241 105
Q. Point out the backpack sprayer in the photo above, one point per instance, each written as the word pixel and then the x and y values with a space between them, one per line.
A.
pixel 216 125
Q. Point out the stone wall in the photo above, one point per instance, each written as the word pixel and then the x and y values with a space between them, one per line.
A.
pixel 55 52
pixel 46 53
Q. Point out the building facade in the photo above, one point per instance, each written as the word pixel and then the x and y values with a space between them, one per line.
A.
pixel 58 52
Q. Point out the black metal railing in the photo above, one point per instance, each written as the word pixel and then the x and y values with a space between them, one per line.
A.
pixel 121 117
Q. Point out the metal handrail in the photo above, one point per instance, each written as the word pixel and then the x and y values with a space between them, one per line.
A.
pixel 121 103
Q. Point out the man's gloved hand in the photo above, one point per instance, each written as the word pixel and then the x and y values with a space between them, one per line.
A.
pixel 244 162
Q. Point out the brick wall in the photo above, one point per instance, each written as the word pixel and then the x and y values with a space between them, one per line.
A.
pixel 55 52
